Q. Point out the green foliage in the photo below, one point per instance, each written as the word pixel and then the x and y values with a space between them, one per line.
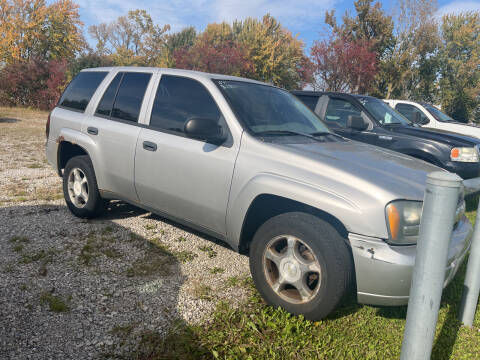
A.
pixel 459 57
pixel 370 23
pixel 178 41
pixel 276 54
pixel 85 61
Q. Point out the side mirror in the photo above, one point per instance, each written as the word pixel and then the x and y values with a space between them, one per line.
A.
pixel 356 123
pixel 204 129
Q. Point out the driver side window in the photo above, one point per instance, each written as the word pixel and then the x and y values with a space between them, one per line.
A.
pixel 409 112
pixel 178 99
pixel 338 111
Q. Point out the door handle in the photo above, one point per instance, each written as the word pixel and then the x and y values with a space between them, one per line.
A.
pixel 92 130
pixel 150 146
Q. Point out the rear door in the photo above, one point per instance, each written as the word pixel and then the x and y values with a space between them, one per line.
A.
pixel 182 177
pixel 114 127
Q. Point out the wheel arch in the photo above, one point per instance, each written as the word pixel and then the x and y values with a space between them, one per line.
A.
pixel 66 151
pixel 73 143
pixel 266 206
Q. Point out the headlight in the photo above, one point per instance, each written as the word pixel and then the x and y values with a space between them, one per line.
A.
pixel 403 221
pixel 464 154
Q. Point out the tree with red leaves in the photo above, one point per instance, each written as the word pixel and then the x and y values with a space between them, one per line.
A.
pixel 343 65
pixel 35 83
pixel 227 57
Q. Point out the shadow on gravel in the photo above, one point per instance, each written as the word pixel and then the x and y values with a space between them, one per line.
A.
pixel 74 289
pixel 8 120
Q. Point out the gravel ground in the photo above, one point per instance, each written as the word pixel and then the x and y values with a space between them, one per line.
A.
pixel 77 289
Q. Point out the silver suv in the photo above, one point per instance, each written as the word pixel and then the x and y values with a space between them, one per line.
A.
pixel 250 164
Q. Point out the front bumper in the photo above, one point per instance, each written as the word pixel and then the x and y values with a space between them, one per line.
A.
pixel 464 169
pixel 384 272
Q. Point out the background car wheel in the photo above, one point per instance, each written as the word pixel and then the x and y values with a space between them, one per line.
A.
pixel 80 188
pixel 301 263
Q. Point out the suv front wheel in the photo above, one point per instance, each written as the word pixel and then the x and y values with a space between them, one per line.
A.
pixel 80 188
pixel 301 263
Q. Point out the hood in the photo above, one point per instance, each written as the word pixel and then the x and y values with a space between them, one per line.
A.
pixel 443 136
pixel 359 165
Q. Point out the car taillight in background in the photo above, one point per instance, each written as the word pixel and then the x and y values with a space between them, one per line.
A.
pixel 47 128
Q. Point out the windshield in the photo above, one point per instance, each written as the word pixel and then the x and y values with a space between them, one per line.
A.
pixel 382 112
pixel 264 108
pixel 437 114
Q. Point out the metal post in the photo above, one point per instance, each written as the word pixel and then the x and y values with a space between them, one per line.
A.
pixel 439 207
pixel 471 287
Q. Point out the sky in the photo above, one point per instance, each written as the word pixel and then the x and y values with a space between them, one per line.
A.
pixel 303 17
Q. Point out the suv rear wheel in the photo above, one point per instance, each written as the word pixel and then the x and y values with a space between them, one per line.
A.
pixel 80 188
pixel 301 263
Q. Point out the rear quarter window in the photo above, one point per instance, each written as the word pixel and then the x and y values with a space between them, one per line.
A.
pixel 78 93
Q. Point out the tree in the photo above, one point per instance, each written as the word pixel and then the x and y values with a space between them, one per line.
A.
pixel 343 65
pixel 409 67
pixel 370 23
pixel 459 58
pixel 277 55
pixel 133 39
pixel 29 29
pixel 223 57
pixel 183 39
pixel 87 60
pixel 261 50
pixel 35 83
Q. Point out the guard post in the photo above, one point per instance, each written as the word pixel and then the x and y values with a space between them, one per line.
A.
pixel 439 208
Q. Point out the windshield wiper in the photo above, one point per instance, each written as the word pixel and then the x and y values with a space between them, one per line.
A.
pixel 325 133
pixel 288 132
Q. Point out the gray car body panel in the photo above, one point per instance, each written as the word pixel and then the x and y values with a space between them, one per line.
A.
pixel 211 188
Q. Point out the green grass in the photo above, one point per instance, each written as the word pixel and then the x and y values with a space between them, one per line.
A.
pixel 217 270
pixel 55 303
pixel 208 250
pixel 185 256
pixel 257 331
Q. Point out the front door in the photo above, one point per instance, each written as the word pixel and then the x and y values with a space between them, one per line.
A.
pixel 336 116
pixel 182 177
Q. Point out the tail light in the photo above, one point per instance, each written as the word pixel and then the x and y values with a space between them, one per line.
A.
pixel 47 128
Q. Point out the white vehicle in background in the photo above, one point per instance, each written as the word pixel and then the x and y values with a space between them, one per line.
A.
pixel 429 116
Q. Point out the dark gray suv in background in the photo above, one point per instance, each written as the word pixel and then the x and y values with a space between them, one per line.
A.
pixel 370 120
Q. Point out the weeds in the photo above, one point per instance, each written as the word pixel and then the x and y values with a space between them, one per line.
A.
pixel 185 256
pixel 209 250
pixel 55 303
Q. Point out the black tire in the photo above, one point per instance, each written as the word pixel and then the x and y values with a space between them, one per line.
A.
pixel 328 246
pixel 94 206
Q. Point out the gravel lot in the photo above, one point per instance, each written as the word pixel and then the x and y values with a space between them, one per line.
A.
pixel 76 289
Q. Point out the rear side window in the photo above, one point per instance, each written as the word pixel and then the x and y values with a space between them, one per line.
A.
pixel 106 104
pixel 81 89
pixel 338 111
pixel 124 96
pixel 310 101
pixel 179 99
